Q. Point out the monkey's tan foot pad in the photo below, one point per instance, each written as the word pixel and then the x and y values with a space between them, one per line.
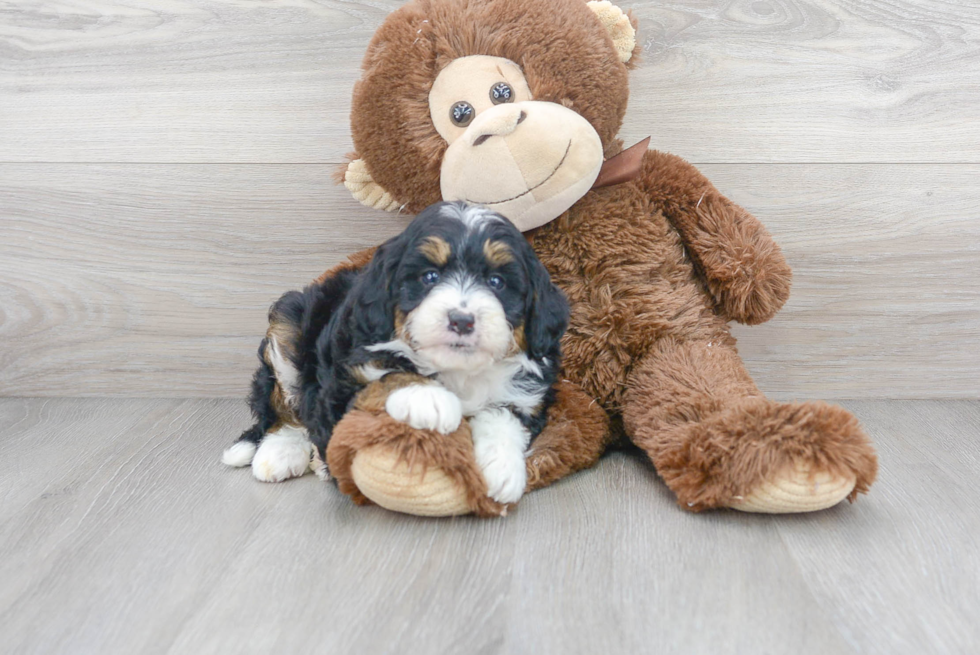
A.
pixel 796 490
pixel 390 482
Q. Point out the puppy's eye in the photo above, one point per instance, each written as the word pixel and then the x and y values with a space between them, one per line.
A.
pixel 495 282
pixel 501 93
pixel 462 113
pixel 430 277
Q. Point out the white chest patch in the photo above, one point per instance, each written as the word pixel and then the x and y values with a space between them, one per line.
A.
pixel 495 386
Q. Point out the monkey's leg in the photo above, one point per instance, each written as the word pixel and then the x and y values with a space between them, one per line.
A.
pixel 575 437
pixel 718 442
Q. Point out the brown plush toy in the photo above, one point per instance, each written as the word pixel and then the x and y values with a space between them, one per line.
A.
pixel 516 104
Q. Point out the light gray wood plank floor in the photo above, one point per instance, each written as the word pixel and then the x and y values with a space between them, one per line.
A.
pixel 121 533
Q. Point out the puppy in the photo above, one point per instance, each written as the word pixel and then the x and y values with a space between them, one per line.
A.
pixel 459 318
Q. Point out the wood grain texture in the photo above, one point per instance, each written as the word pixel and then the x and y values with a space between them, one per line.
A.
pixel 154 280
pixel 718 81
pixel 122 533
pixel 886 279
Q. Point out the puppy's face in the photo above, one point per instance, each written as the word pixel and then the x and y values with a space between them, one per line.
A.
pixel 464 288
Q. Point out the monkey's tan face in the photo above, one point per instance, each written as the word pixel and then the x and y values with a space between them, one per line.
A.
pixel 526 159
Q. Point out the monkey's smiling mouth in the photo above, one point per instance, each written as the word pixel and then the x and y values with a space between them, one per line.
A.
pixel 521 195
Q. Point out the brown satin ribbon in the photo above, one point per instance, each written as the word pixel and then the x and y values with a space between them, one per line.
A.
pixel 622 167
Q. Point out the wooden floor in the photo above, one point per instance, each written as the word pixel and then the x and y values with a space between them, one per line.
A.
pixel 121 533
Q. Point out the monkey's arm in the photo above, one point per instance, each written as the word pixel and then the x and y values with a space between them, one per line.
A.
pixel 741 264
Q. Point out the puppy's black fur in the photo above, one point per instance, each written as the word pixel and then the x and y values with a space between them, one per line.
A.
pixel 336 320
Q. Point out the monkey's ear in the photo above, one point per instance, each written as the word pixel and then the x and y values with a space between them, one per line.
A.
pixel 362 186
pixel 619 26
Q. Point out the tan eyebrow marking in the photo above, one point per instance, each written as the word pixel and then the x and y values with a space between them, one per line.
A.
pixel 436 250
pixel 497 253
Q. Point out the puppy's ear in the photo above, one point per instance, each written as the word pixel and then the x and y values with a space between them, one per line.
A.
pixel 374 312
pixel 547 313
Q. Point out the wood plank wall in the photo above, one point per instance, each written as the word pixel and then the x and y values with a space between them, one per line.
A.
pixel 165 174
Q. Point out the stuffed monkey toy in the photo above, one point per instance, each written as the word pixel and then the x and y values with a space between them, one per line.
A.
pixel 515 104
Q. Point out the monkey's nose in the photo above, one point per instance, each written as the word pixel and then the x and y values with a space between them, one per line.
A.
pixel 499 121
pixel 460 322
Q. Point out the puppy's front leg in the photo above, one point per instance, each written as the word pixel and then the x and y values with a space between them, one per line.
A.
pixel 499 443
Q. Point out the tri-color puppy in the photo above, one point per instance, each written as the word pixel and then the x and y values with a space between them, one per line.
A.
pixel 458 301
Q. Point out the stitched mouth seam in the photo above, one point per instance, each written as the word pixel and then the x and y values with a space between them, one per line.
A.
pixel 524 193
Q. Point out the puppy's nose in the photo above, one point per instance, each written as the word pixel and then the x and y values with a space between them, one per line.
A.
pixel 460 322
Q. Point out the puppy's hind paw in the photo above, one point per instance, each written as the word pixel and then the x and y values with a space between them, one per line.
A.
pixel 283 454
pixel 238 454
pixel 425 407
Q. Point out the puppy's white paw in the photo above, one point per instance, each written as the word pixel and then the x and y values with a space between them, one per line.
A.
pixel 505 472
pixel 238 454
pixel 499 442
pixel 425 407
pixel 282 454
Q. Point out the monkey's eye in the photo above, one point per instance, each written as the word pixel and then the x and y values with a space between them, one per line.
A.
pixel 430 277
pixel 462 113
pixel 501 93
pixel 495 282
